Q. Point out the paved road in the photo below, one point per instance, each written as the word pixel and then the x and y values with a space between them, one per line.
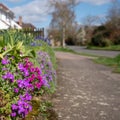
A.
pixel 86 91
pixel 94 52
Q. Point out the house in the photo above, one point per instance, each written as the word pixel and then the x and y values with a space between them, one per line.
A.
pixel 25 25
pixel 7 18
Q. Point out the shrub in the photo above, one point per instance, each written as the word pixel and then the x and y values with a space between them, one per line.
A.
pixel 96 40
pixel 99 40
pixel 117 40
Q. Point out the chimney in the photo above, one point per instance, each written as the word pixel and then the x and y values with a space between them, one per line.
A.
pixel 20 20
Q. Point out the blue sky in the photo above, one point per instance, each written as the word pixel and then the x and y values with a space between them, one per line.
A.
pixel 37 11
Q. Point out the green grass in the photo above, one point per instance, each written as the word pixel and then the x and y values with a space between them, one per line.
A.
pixel 64 49
pixel 72 51
pixel 112 47
pixel 113 62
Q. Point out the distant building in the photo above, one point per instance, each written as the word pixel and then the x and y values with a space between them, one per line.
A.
pixel 7 18
pixel 25 25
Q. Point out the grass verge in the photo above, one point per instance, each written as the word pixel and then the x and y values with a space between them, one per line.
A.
pixel 112 62
pixel 112 47
pixel 66 49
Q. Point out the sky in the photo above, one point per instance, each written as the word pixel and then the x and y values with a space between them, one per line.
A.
pixel 37 12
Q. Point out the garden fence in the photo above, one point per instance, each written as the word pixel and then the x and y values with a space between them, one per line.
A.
pixel 35 33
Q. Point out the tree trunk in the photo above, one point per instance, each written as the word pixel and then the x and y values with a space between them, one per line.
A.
pixel 63 39
pixel 63 35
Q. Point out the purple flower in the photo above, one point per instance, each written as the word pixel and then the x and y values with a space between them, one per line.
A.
pixel 45 83
pixel 42 66
pixel 4 69
pixel 16 90
pixel 20 66
pixel 22 107
pixel 5 61
pixel 20 103
pixel 22 83
pixel 21 110
pixel 14 107
pixel 13 114
pixel 26 97
pixel 26 73
pixel 8 75
pixel 4 48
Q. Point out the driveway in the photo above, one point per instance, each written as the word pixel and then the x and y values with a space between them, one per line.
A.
pixel 85 90
pixel 81 49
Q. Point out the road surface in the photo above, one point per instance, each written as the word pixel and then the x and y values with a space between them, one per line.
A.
pixel 80 49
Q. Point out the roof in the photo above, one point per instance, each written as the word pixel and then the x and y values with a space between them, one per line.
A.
pixel 27 25
pixel 6 9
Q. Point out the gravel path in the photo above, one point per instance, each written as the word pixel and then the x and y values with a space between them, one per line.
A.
pixel 86 91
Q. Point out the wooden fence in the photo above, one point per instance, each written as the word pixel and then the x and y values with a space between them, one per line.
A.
pixel 35 33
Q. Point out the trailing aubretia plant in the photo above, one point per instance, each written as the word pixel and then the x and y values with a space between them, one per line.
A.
pixel 48 72
pixel 24 80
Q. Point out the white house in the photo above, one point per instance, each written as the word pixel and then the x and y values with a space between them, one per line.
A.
pixel 7 18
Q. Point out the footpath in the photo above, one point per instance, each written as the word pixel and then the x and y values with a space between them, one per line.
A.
pixel 85 90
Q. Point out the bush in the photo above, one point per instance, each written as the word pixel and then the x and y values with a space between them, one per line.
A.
pixel 99 40
pixel 70 41
pixel 117 41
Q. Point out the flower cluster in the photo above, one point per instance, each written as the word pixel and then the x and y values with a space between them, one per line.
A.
pixel 48 71
pixel 37 40
pixel 8 76
pixel 22 107
pixel 20 79
pixel 26 79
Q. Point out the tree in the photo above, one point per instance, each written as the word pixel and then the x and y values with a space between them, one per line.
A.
pixel 113 17
pixel 63 16
pixel 113 22
pixel 90 23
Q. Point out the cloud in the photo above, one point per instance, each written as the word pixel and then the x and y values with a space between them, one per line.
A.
pixel 37 11
pixel 34 11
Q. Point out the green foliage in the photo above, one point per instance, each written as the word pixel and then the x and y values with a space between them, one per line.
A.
pixel 14 36
pixel 105 35
pixel 46 48
pixel 111 47
pixel 117 59
pixel 14 45
pixel 99 40
pixel 117 40
pixel 113 62
pixel 64 49
pixel 40 109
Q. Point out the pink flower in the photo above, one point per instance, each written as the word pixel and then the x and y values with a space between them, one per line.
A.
pixel 39 85
pixel 39 77
pixel 32 77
